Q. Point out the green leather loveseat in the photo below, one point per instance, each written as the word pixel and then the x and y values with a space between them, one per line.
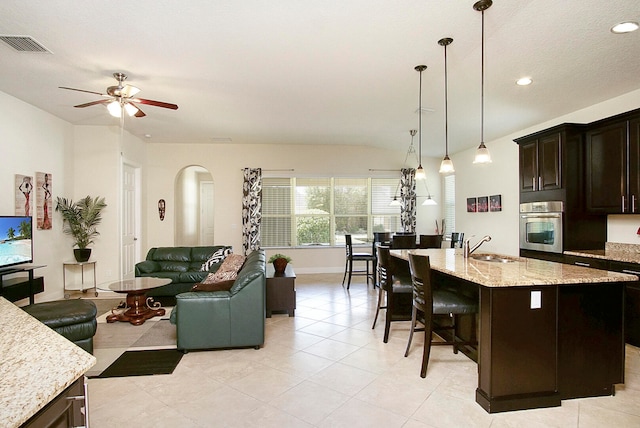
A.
pixel 224 319
pixel 182 265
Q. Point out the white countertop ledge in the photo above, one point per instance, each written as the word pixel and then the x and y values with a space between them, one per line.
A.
pixel 36 365
pixel 521 272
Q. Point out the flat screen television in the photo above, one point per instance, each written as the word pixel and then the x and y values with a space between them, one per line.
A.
pixel 16 244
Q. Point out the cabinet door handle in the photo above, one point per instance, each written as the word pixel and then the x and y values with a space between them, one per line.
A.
pixel 622 203
pixel 632 272
pixel 582 264
pixel 633 203
pixel 540 183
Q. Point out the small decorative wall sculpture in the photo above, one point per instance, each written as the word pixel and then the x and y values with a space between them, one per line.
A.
pixel 44 202
pixel 24 188
pixel 162 205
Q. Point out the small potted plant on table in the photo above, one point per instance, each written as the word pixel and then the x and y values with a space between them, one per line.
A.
pixel 80 221
pixel 280 262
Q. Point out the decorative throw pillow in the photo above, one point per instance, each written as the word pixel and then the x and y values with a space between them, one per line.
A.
pixel 218 256
pixel 224 277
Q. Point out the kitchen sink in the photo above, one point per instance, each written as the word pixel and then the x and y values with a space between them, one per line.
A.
pixel 492 258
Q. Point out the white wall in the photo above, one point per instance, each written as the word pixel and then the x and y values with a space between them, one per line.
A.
pixel 34 141
pixel 501 177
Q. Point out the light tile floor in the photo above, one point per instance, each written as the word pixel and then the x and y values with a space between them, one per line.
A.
pixel 326 367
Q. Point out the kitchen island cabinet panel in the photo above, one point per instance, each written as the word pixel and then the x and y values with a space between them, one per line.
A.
pixel 518 345
pixel 590 321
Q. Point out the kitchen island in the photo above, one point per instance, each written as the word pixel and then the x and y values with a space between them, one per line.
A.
pixel 38 366
pixel 546 331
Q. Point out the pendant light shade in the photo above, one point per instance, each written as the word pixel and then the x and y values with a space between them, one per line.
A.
pixel 446 166
pixel 482 153
pixel 420 174
pixel 410 151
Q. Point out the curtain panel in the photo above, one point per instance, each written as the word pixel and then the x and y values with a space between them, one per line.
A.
pixel 408 200
pixel 251 209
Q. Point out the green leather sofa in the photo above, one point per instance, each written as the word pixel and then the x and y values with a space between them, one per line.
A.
pixel 224 319
pixel 180 264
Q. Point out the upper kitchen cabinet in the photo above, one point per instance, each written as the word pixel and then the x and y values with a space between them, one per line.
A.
pixel 612 171
pixel 548 160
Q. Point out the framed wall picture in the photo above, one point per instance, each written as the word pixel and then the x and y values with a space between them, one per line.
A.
pixel 24 190
pixel 44 211
pixel 483 204
pixel 495 203
pixel 472 205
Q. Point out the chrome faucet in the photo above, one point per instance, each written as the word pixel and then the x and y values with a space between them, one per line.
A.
pixel 466 250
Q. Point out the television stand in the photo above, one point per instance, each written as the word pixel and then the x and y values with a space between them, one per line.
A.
pixel 19 288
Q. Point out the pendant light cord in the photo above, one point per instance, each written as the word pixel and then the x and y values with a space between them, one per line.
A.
pixel 420 122
pixel 482 87
pixel 446 106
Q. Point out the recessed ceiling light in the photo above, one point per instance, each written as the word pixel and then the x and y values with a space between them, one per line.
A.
pixel 625 27
pixel 524 81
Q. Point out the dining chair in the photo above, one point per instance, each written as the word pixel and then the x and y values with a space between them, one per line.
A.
pixel 430 241
pixel 404 241
pixel 356 257
pixel 457 239
pixel 398 290
pixel 429 301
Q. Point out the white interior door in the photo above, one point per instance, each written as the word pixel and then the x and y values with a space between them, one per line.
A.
pixel 129 220
pixel 206 213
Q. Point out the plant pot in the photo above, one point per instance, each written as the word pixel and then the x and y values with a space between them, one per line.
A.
pixel 82 254
pixel 279 265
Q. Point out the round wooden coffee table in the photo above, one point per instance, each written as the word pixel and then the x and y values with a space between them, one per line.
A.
pixel 139 307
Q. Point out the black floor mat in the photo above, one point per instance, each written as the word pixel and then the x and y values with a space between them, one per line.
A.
pixel 143 363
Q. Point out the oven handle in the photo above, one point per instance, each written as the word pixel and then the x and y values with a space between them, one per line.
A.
pixel 540 215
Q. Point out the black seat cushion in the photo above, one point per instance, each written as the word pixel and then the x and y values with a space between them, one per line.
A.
pixel 449 302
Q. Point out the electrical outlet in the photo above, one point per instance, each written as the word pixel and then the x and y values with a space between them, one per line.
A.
pixel 536 299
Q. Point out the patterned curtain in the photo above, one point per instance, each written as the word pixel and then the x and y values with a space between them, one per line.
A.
pixel 251 209
pixel 408 200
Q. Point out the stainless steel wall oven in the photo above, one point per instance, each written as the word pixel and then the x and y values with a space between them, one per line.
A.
pixel 541 226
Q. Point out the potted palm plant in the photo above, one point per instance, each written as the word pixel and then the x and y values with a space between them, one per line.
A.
pixel 80 220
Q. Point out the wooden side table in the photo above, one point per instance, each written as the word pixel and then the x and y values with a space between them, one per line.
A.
pixel 281 291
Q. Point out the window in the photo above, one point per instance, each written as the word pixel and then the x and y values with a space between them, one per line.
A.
pixel 320 211
pixel 449 192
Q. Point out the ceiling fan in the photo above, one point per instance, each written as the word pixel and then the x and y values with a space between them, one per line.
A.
pixel 121 98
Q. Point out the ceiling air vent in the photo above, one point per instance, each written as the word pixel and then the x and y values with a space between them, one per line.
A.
pixel 24 44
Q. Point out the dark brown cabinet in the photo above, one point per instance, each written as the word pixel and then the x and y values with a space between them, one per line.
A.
pixel 69 409
pixel 540 163
pixel 550 160
pixel 612 172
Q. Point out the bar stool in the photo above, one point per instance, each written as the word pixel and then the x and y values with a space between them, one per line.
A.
pixel 430 241
pixel 431 301
pixel 403 241
pixel 398 290
pixel 457 239
pixel 356 257
pixel 383 238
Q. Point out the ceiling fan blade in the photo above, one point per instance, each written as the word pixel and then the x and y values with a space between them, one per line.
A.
pixel 93 103
pixel 139 113
pixel 82 90
pixel 155 103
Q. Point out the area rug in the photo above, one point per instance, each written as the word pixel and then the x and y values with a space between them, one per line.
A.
pixel 143 363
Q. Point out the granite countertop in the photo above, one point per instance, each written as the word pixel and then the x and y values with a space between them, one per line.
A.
pixel 36 365
pixel 518 272
pixel 629 253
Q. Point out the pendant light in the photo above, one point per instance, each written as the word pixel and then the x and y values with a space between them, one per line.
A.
pixel 420 175
pixel 446 166
pixel 482 153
